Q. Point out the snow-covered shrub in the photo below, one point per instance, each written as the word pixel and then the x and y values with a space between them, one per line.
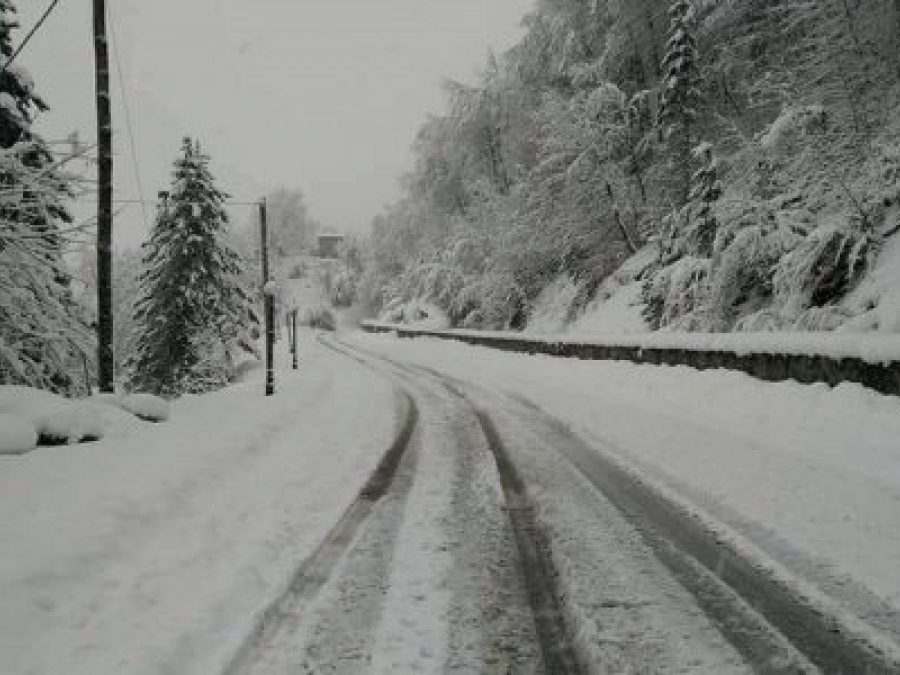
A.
pixel 673 293
pixel 822 268
pixel 741 278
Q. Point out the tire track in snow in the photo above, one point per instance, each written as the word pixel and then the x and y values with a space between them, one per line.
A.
pixel 314 572
pixel 553 633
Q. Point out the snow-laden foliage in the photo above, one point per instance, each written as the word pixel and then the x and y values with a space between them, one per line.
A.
pixel 193 313
pixel 42 334
pixel 43 337
pixel 582 144
pixel 680 94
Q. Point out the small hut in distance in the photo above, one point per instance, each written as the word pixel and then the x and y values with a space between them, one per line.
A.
pixel 329 245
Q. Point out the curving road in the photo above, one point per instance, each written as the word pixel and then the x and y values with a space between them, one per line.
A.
pixel 491 539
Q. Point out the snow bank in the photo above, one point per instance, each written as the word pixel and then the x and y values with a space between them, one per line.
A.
pixel 871 348
pixel 146 406
pixel 17 436
pixel 57 420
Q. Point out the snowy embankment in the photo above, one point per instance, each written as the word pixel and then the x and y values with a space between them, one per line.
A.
pixel 154 550
pixel 807 476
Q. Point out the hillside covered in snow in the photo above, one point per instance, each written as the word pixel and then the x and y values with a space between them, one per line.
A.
pixel 633 166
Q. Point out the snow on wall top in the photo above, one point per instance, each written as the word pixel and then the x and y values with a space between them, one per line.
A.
pixel 871 348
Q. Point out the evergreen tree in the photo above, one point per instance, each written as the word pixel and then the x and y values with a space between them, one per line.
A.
pixel 41 331
pixel 705 192
pixel 193 312
pixel 680 97
pixel 18 101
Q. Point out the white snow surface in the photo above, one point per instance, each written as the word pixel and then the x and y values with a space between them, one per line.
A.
pixel 17 436
pixel 806 475
pixel 155 551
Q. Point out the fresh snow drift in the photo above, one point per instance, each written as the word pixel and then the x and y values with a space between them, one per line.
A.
pixel 154 551
pixel 17 436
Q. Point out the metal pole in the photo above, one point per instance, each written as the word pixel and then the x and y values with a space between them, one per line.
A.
pixel 269 301
pixel 104 202
pixel 294 338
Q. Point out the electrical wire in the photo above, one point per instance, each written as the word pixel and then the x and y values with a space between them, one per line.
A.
pixel 30 35
pixel 128 124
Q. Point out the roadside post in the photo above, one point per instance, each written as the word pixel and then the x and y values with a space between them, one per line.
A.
pixel 294 338
pixel 269 300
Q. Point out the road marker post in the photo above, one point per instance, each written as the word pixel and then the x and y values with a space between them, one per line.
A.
pixel 269 300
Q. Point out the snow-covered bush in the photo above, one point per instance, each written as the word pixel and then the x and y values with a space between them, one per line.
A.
pixel 822 268
pixel 674 293
pixel 741 279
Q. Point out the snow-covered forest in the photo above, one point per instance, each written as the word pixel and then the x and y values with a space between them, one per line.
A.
pixel 686 165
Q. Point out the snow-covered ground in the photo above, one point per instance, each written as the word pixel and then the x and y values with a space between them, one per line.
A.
pixel 807 476
pixel 155 550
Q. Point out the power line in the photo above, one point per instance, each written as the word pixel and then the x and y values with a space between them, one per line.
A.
pixel 128 124
pixel 30 35
pixel 227 202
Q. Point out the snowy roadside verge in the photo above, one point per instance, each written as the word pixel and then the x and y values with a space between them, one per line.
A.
pixel 154 552
pixel 806 474
pixel 870 360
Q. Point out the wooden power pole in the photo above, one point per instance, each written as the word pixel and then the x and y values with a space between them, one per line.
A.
pixel 269 299
pixel 104 202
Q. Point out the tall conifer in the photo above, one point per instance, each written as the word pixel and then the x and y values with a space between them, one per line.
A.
pixel 193 311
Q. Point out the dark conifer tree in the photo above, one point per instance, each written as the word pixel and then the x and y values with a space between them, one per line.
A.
pixel 705 192
pixel 680 97
pixel 193 311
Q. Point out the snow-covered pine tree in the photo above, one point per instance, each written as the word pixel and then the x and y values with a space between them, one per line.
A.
pixel 42 335
pixel 680 96
pixel 193 311
pixel 705 191
pixel 18 101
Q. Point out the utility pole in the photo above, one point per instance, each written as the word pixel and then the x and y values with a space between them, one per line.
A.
pixel 269 299
pixel 104 202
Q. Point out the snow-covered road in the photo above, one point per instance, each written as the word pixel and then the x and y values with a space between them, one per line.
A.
pixel 417 506
pixel 801 483
pixel 456 571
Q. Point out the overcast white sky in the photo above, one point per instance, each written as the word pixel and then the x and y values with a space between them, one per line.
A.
pixel 325 95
